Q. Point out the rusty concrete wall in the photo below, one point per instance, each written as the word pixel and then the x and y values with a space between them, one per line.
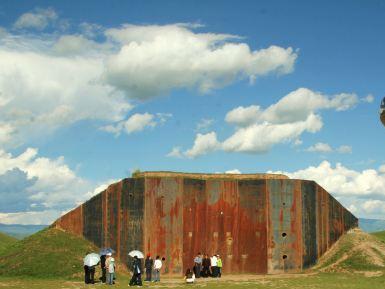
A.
pixel 257 225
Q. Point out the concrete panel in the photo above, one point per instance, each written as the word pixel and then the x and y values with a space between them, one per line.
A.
pixel 285 236
pixel 309 224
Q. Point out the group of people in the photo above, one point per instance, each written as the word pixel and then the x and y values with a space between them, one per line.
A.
pixel 205 266
pixel 107 263
pixel 152 268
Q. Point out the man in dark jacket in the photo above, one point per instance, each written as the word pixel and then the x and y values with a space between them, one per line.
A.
pixel 206 266
pixel 103 267
pixel 148 264
pixel 136 273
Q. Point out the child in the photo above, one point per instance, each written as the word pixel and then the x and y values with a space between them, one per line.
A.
pixel 111 271
pixel 189 277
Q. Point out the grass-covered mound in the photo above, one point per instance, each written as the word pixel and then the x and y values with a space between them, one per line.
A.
pixel 5 241
pixel 380 235
pixel 50 253
pixel 355 252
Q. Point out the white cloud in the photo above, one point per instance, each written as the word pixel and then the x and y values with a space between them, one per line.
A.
pixel 326 148
pixel 369 98
pixel 45 92
pixel 203 144
pixel 297 142
pixel 56 185
pixel 37 19
pixel 36 190
pixel 258 130
pixel 137 122
pixel 320 147
pixel 243 116
pixel 48 81
pixel 344 149
pixel 30 218
pixel 175 153
pixel 154 59
pixel 204 124
pixel 234 171
pixel 361 191
pixel 6 132
pixel 343 181
pixel 259 138
pixel 295 106
pixel 381 169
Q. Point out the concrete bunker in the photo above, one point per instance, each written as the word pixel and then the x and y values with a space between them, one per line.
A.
pixel 258 223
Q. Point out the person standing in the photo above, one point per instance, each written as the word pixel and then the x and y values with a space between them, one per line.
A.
pixel 111 271
pixel 219 263
pixel 106 265
pixel 214 266
pixel 103 267
pixel 86 275
pixel 91 270
pixel 136 273
pixel 148 264
pixel 198 265
pixel 206 266
pixel 157 267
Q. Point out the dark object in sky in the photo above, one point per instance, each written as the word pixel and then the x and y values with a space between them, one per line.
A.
pixel 382 111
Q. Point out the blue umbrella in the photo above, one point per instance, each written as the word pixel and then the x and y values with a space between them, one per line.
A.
pixel 105 251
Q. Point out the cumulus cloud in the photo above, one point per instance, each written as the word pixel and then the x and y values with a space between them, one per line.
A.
pixel 364 191
pixel 320 148
pixel 48 81
pixel 344 149
pixel 153 59
pixel 37 19
pixel 203 144
pixel 137 122
pixel 204 124
pixel 293 107
pixel 176 152
pixel 326 148
pixel 47 182
pixel 234 171
pixel 259 138
pixel 257 130
pixel 45 92
pixel 369 98
pixel 36 190
pixel 45 217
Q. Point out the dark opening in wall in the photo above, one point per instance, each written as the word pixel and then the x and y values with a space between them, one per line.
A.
pixel 284 257
pixel 284 234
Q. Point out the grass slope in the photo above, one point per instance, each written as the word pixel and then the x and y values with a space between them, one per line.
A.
pixel 5 241
pixel 49 253
pixel 380 235
pixel 355 252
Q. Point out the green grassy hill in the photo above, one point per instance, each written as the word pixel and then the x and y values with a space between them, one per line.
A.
pixel 50 253
pixel 5 241
pixel 355 252
pixel 380 235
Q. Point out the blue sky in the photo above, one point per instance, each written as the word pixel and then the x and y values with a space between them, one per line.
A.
pixel 94 90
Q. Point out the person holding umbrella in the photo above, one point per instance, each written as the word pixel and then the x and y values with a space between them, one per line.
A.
pixel 90 261
pixel 136 273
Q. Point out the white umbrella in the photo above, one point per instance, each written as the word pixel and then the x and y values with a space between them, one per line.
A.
pixel 91 259
pixel 136 253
